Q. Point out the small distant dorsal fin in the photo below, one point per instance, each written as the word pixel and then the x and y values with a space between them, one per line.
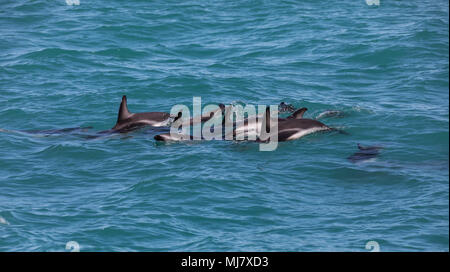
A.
pixel 298 114
pixel 123 110
pixel 361 147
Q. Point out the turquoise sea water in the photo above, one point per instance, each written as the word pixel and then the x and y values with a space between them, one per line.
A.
pixel 385 68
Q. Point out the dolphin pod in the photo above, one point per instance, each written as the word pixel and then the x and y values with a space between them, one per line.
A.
pixel 290 128
pixel 260 127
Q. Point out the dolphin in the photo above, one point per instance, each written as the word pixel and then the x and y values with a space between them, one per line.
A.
pixel 127 121
pixel 249 126
pixel 365 153
pixel 291 128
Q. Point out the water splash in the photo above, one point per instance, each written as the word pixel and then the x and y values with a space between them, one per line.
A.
pixel 3 221
pixel 373 2
pixel 73 2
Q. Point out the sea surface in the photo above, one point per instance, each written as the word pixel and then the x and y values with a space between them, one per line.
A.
pixel 384 69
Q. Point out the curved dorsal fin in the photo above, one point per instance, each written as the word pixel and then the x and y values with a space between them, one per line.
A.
pixel 123 110
pixel 298 114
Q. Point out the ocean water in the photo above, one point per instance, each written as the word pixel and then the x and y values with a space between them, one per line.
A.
pixel 384 68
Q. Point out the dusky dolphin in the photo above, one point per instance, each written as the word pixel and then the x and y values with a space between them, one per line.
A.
pixel 127 121
pixel 291 128
pixel 249 127
pixel 365 153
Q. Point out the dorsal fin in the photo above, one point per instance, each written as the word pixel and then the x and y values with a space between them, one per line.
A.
pixel 123 110
pixel 298 114
pixel 361 147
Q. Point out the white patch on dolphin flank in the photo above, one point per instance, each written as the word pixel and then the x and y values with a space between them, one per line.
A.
pixel 250 129
pixel 169 137
pixel 304 132
pixel 155 123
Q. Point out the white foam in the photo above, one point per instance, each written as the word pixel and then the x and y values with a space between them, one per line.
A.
pixel 369 160
pixel 73 2
pixel 3 221
pixel 330 113
pixel 373 2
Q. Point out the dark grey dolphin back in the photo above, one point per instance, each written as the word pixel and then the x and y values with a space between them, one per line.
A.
pixel 365 153
pixel 360 147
